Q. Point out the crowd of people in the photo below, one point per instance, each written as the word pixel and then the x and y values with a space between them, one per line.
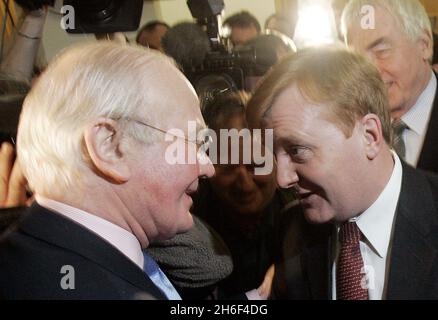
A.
pixel 97 204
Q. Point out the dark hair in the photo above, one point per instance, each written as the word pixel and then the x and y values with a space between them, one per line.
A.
pixel 222 107
pixel 150 27
pixel 243 19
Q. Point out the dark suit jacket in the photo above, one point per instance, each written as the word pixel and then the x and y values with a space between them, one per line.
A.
pixel 429 153
pixel 413 263
pixel 31 259
pixel 10 218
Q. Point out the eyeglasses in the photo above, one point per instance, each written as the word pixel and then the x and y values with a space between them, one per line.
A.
pixel 201 145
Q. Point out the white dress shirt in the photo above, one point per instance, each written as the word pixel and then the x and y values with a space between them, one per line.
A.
pixel 121 239
pixel 417 119
pixel 376 224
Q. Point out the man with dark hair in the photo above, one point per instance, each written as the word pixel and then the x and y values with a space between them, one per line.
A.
pixel 151 33
pixel 244 27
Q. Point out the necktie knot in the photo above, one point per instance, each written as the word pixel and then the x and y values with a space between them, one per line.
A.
pixel 398 126
pixel 349 233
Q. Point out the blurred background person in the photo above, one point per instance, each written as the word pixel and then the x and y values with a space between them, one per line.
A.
pixel 282 24
pixel 247 210
pixel 17 70
pixel 243 26
pixel 151 33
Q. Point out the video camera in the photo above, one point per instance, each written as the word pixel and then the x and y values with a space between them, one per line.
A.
pixel 223 67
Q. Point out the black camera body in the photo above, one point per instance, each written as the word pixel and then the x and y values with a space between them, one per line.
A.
pixel 223 67
pixel 105 16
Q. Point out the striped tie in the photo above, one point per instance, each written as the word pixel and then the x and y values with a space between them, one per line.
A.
pixel 398 126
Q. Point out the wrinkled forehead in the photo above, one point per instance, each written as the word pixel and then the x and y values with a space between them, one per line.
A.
pixel 373 20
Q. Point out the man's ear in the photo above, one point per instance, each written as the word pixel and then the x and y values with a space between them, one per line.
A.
pixel 104 143
pixel 426 45
pixel 373 136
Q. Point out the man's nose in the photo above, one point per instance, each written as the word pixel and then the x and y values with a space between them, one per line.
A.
pixel 206 169
pixel 287 175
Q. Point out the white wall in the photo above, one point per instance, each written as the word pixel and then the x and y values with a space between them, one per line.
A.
pixel 170 11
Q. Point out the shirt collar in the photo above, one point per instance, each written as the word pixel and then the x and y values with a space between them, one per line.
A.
pixel 121 239
pixel 375 223
pixel 417 117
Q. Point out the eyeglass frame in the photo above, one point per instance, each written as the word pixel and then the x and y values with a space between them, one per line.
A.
pixel 199 145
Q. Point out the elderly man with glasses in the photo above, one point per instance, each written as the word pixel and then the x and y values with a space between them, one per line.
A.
pixel 103 188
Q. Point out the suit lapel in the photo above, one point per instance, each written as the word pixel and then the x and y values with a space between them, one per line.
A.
pixel 429 153
pixel 412 256
pixel 316 259
pixel 317 262
pixel 55 229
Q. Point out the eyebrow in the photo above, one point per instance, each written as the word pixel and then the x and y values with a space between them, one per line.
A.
pixel 289 140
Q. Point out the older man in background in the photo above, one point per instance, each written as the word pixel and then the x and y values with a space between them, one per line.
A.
pixel 396 36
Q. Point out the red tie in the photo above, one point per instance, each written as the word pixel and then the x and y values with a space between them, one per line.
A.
pixel 349 276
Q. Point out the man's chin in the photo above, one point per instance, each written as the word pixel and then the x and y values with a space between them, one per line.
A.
pixel 187 224
pixel 184 225
pixel 315 216
pixel 396 109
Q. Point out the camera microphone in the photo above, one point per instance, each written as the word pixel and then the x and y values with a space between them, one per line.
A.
pixel 187 43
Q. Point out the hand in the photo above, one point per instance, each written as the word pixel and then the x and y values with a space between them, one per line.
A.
pixel 12 182
pixel 265 288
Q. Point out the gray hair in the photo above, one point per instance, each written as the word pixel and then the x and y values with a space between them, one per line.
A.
pixel 85 82
pixel 410 14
